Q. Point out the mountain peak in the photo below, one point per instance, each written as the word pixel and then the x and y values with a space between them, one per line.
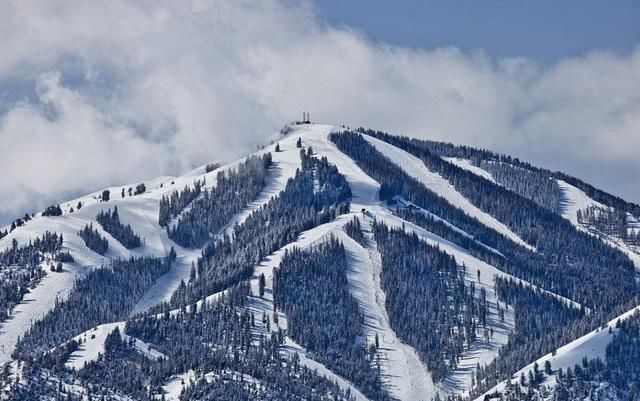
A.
pixel 383 267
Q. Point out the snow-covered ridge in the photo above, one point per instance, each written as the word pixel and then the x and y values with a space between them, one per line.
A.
pixel 141 211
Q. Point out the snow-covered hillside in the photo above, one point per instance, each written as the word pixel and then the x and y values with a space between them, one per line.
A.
pixel 592 345
pixel 403 371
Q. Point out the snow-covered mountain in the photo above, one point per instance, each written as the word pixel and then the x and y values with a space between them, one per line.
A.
pixel 331 264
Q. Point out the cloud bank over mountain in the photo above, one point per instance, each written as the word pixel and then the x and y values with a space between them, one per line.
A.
pixel 114 91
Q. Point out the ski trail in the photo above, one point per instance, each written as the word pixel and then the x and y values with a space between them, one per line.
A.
pixel 284 166
pixel 592 345
pixel 403 373
pixel 466 164
pixel 259 306
pixel 574 199
pixel 35 305
pixel 414 167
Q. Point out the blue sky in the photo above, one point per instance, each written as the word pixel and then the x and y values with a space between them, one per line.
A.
pixel 542 30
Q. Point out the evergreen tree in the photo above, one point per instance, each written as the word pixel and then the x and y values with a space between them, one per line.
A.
pixel 110 222
pixel 262 284
pixel 93 239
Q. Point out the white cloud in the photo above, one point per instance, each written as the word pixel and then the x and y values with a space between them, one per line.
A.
pixel 123 90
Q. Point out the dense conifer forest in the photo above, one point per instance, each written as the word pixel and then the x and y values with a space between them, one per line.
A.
pixel 299 207
pixel 531 184
pixel 311 288
pixel 430 307
pixel 94 240
pixel 210 210
pixel 110 222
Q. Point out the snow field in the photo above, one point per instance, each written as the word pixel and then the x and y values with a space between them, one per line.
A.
pixel 93 345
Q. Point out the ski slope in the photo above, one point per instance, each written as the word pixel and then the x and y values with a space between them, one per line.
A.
pixel 36 305
pixel 414 167
pixel 466 164
pixel 575 199
pixel 365 195
pixel 403 374
pixel 592 345
pixel 93 345
pixel 141 211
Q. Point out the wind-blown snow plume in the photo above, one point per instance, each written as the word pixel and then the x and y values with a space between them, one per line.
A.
pixel 114 91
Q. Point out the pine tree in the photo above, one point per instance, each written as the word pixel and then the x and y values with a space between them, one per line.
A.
pixel 261 283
